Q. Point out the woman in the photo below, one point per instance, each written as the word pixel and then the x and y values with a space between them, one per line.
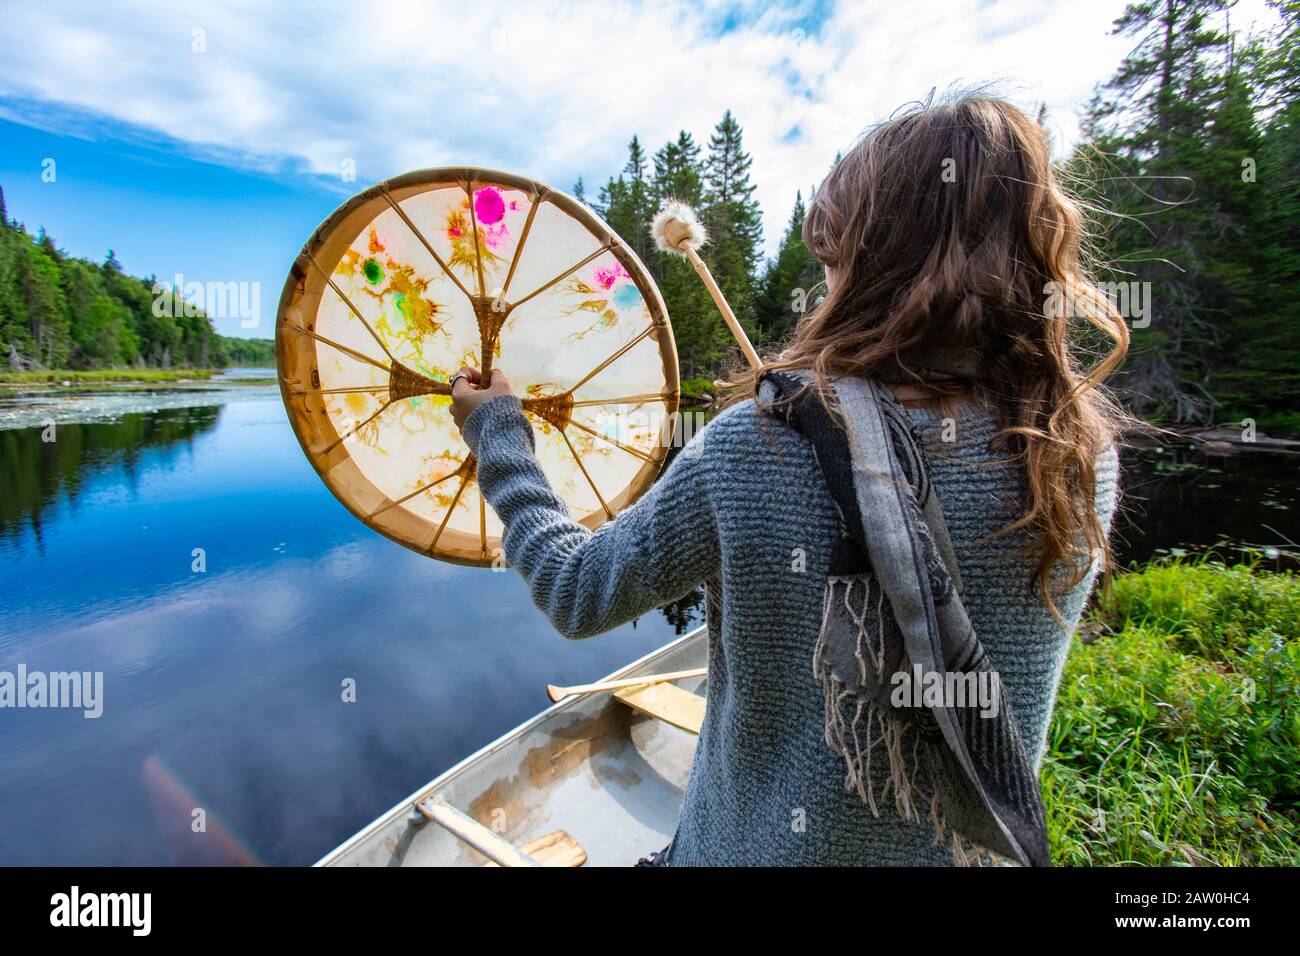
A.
pixel 954 275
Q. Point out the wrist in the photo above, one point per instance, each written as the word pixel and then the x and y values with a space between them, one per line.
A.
pixel 490 416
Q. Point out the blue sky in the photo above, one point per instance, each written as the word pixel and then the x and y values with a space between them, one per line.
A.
pixel 208 139
pixel 163 212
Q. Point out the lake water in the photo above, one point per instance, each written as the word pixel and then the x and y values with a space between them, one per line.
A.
pixel 222 689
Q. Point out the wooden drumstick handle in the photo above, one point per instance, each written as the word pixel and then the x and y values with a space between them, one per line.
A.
pixel 677 229
pixel 724 307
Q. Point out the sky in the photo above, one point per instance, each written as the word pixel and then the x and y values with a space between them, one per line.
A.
pixel 210 139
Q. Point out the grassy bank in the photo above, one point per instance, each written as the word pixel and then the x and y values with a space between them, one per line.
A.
pixel 1176 738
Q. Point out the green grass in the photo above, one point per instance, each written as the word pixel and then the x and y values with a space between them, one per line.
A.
pixel 693 389
pixel 110 375
pixel 1278 424
pixel 1176 737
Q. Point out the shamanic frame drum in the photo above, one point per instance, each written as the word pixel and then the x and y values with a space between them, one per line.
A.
pixel 421 274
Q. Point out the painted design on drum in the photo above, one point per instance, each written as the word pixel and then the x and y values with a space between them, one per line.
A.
pixel 412 296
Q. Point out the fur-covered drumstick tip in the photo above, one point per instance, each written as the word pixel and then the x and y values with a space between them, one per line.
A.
pixel 675 224
pixel 677 229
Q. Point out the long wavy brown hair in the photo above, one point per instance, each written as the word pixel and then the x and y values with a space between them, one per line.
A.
pixel 946 228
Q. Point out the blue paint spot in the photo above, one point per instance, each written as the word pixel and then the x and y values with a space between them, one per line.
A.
pixel 628 297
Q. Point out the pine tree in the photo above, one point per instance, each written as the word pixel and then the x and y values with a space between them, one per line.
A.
pixel 1237 267
pixel 1150 120
pixel 678 174
pixel 47 245
pixel 733 219
pixel 640 201
pixel 45 305
pixel 1261 377
pixel 609 196
pixel 789 281
pixel 627 203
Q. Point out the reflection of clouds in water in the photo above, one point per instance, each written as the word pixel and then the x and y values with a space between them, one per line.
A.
pixel 242 603
pixel 347 562
pixel 352 586
pixel 234 680
pixel 233 677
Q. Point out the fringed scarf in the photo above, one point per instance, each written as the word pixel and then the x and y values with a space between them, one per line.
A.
pixel 904 675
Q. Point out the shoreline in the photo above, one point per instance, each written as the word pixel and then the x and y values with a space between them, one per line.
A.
pixel 57 383
pixel 1215 440
pixel 91 404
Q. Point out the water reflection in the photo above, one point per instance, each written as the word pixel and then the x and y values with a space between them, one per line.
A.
pixel 222 690
pixel 1177 498
pixel 41 466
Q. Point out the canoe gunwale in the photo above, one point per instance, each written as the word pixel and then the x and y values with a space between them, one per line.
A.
pixel 406 807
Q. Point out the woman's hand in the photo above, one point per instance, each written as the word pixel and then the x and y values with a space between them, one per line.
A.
pixel 467 396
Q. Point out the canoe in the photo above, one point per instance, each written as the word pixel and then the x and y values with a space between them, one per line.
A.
pixel 596 779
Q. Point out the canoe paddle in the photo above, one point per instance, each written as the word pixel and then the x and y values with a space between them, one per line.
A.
pixel 559 693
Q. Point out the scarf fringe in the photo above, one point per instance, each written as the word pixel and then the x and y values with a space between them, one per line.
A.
pixel 871 727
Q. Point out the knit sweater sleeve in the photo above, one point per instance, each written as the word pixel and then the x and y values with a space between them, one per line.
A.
pixel 589 582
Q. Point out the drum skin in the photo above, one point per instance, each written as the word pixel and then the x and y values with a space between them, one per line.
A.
pixel 421 274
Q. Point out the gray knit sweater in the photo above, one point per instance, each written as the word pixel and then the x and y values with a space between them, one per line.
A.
pixel 743 510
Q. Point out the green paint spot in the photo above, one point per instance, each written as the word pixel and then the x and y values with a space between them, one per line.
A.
pixel 374 272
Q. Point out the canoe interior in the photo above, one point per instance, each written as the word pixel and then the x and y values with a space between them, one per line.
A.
pixel 611 777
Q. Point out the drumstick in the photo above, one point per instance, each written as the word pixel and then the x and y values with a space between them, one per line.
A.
pixel 559 693
pixel 678 230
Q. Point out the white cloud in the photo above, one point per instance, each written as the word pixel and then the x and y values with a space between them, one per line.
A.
pixel 550 90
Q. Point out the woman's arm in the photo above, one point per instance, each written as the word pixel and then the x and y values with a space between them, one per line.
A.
pixel 588 582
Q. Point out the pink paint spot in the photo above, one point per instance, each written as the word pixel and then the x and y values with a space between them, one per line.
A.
pixel 495 235
pixel 606 277
pixel 489 206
